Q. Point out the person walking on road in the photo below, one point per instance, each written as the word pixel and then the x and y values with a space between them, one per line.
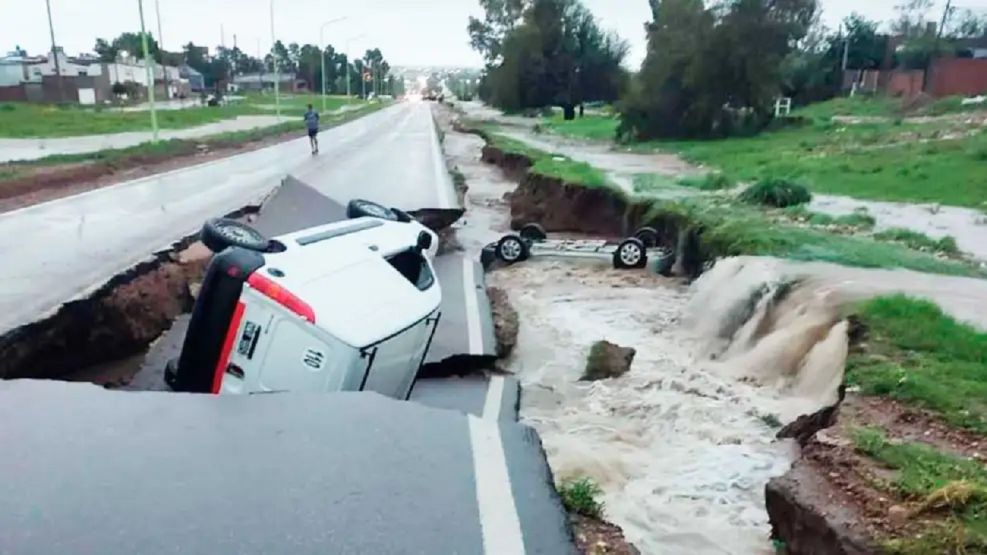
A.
pixel 312 123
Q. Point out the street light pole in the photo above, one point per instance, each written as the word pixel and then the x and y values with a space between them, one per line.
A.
pixel 54 53
pixel 149 66
pixel 322 56
pixel 164 66
pixel 274 59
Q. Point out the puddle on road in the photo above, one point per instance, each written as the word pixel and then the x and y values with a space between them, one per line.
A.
pixel 967 226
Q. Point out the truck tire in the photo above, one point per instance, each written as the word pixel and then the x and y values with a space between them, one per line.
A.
pixel 631 253
pixel 648 236
pixel 533 232
pixel 512 249
pixel 359 208
pixel 218 234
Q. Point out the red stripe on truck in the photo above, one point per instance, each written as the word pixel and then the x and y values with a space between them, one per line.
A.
pixel 224 355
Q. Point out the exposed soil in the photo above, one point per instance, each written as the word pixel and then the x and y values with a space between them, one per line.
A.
pixel 834 500
pixel 597 537
pixel 34 184
pixel 505 320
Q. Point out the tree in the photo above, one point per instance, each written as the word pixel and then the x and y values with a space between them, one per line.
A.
pixel 913 17
pixel 487 35
pixel 966 23
pixel 130 43
pixel 557 55
pixel 713 72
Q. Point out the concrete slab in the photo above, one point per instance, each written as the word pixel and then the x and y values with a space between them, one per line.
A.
pixel 494 398
pixel 466 328
pixel 92 471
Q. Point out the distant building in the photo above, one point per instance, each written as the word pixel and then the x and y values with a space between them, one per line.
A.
pixel 265 81
pixel 196 81
pixel 84 78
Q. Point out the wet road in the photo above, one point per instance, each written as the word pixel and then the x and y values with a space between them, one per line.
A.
pixel 60 250
pixel 164 473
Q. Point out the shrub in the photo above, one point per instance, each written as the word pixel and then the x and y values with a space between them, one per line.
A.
pixel 779 193
pixel 913 239
pixel 710 182
pixel 580 496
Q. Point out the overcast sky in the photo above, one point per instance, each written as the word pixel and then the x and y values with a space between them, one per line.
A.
pixel 410 32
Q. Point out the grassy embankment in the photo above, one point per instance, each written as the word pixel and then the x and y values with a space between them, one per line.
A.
pixel 924 359
pixel 887 158
pixel 27 120
pixel 150 152
pixel 733 228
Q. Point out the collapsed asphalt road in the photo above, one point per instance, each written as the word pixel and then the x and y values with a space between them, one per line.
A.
pixel 95 471
pixel 158 472
pixel 58 251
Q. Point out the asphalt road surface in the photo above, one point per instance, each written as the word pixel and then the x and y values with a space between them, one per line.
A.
pixel 58 251
pixel 94 471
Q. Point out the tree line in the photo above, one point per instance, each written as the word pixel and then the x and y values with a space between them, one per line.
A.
pixel 369 74
pixel 712 69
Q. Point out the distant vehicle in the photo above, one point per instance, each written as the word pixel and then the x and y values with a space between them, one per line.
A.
pixel 532 240
pixel 348 306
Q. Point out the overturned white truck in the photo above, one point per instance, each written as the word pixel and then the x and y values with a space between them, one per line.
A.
pixel 347 306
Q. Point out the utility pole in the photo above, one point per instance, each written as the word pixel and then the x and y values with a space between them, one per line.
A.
pixel 54 53
pixel 274 58
pixel 846 48
pixel 164 65
pixel 149 66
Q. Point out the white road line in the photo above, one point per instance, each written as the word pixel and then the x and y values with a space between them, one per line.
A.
pixel 443 183
pixel 499 521
pixel 494 399
pixel 473 329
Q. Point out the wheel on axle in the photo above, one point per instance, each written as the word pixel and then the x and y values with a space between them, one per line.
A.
pixel 631 253
pixel 512 249
pixel 533 232
pixel 648 236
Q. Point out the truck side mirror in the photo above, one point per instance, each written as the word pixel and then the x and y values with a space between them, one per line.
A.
pixel 424 241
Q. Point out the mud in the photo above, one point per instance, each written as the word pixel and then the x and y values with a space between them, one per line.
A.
pixel 560 206
pixel 596 537
pixel 118 321
pixel 505 320
pixel 101 338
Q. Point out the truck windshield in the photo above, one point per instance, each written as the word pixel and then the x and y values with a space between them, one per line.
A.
pixel 413 266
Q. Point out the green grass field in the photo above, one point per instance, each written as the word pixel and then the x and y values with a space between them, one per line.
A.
pixel 939 162
pixel 918 355
pixel 554 165
pixel 949 489
pixel 174 147
pixel 29 120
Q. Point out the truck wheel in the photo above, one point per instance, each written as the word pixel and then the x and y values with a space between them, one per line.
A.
pixel 533 232
pixel 219 234
pixel 512 249
pixel 631 253
pixel 648 236
pixel 359 208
